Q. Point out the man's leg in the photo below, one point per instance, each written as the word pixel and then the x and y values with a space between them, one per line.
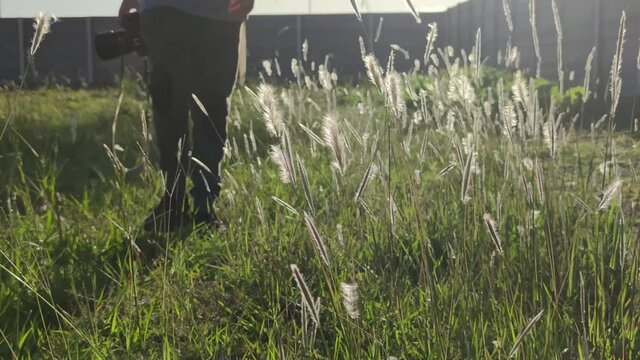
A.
pixel 216 62
pixel 170 113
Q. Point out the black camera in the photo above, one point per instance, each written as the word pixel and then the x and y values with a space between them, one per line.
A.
pixel 113 44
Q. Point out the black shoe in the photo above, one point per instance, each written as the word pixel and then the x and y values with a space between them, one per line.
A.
pixel 166 218
pixel 209 220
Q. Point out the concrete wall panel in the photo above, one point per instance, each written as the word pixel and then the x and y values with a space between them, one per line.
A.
pixel 67 52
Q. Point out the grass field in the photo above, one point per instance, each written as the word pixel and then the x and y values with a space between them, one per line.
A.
pixel 456 215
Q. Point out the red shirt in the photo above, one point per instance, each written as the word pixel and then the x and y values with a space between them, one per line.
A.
pixel 240 7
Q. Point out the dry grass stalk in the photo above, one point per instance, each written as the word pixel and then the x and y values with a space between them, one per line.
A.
pixel 200 105
pixel 288 153
pixel 507 14
pixel 414 12
pixel 467 176
pixel 616 67
pixel 446 170
pixel 356 10
pixel 536 40
pixel 307 298
pixel 312 135
pixel 305 184
pixel 582 204
pixel 378 30
pixel 638 60
pixel 539 181
pixel 587 75
pixel 560 38
pixel 525 332
pixel 284 204
pixel 317 239
pixel 477 56
pixel 491 227
pixel 372 169
pixel 401 50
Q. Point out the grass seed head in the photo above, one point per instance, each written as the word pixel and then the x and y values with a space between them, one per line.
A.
pixel 374 71
pixel 307 298
pixel 432 36
pixel 41 27
pixel 268 104
pixel 616 66
pixel 492 229
pixel 507 14
pixel 395 93
pixel 280 157
pixel 609 195
pixel 334 140
pixel 351 299
pixel 317 239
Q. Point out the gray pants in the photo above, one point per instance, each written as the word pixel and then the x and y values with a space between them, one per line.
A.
pixel 190 55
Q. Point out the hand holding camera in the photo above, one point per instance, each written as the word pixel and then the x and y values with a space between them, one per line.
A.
pixel 113 44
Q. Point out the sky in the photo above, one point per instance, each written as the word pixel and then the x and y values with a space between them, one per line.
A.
pixel 81 8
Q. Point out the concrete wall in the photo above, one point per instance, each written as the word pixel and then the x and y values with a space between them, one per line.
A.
pixel 67 51
pixel 585 24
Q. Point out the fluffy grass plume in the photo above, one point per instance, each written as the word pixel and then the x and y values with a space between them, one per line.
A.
pixel 609 194
pixel 550 133
pixel 374 71
pixel 268 104
pixel 281 158
pixel 351 299
pixel 587 74
pixel 394 89
pixel 333 139
pixel 41 27
pixel 432 36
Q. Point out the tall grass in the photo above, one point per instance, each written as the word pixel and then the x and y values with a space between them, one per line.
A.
pixel 448 212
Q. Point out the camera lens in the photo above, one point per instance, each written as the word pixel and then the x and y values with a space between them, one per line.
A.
pixel 112 44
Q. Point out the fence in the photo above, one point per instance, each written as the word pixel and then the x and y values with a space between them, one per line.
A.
pixel 67 53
